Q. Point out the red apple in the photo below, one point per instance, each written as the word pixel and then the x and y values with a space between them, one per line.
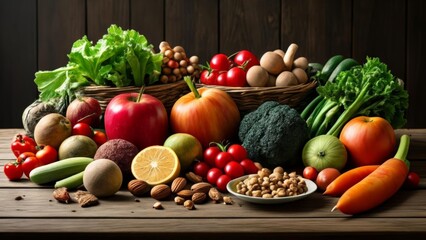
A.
pixel 84 109
pixel 143 121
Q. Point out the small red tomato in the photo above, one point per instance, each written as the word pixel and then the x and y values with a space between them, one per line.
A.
pixel 310 173
pixel 221 79
pixel 412 181
pixel 234 169
pixel 47 154
pixel 325 177
pixel 220 62
pixel 99 137
pixel 238 152
pixel 236 77
pixel 209 77
pixel 222 181
pixel 23 143
pixel 246 58
pixel 29 164
pixel 13 171
pixel 213 174
pixel 24 156
pixel 201 169
pixel 222 159
pixel 249 166
pixel 82 128
pixel 210 154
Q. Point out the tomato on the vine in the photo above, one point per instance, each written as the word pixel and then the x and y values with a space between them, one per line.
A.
pixel 221 79
pixel 222 181
pixel 220 62
pixel 310 173
pixel 46 154
pixel 246 59
pixel 222 159
pixel 236 77
pixel 209 77
pixel 238 152
pixel 201 169
pixel 234 169
pixel 23 143
pixel 210 154
pixel 13 171
pixel 249 166
pixel 213 174
pixel 29 161
pixel 82 128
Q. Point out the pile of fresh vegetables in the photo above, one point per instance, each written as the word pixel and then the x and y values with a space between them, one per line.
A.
pixel 121 58
pixel 369 90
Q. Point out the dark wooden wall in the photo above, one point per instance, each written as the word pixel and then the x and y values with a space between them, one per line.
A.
pixel 37 35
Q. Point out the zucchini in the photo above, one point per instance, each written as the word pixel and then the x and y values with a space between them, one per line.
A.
pixel 330 65
pixel 59 170
pixel 71 182
pixel 344 65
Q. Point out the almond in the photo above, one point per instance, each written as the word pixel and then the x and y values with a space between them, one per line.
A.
pixel 178 184
pixel 160 191
pixel 185 193
pixel 138 187
pixel 193 177
pixel 203 187
pixel 199 197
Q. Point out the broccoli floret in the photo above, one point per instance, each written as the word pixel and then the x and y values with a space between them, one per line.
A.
pixel 274 135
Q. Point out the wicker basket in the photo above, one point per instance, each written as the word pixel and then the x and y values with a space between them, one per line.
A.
pixel 249 98
pixel 167 93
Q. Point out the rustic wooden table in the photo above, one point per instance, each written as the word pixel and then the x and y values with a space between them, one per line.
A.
pixel 38 215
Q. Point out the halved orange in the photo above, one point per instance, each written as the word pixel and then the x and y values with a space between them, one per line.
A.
pixel 156 165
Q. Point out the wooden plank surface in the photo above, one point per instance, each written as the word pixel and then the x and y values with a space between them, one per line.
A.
pixel 147 17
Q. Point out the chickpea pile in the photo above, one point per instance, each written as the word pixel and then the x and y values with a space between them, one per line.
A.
pixel 267 184
pixel 176 64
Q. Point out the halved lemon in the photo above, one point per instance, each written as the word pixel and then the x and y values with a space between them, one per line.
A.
pixel 156 165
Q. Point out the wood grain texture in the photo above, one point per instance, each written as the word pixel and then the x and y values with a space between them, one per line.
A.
pixel 56 33
pixel 321 28
pixel 252 24
pixel 192 24
pixel 18 59
pixel 147 17
pixel 416 50
pixel 102 13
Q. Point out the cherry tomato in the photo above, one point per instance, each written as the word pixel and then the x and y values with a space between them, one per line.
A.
pixel 220 62
pixel 412 181
pixel 234 169
pixel 221 79
pixel 236 77
pixel 23 156
pixel 210 154
pixel 13 171
pixel 325 177
pixel 99 137
pixel 29 163
pixel 213 174
pixel 201 169
pixel 246 58
pixel 238 152
pixel 82 128
pixel 310 173
pixel 23 143
pixel 249 166
pixel 209 77
pixel 47 154
pixel 222 159
pixel 222 181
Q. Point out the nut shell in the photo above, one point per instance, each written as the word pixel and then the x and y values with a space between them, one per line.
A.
pixel 185 193
pixel 161 191
pixel 199 197
pixel 203 187
pixel 138 187
pixel 178 184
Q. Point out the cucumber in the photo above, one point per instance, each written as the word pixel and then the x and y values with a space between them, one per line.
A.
pixel 330 65
pixel 59 170
pixel 344 65
pixel 71 182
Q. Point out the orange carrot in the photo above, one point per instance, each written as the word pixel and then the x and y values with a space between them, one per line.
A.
pixel 347 179
pixel 378 186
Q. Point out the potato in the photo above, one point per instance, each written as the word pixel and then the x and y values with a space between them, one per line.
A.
pixel 280 52
pixel 286 79
pixel 301 75
pixel 301 62
pixel 272 62
pixel 271 81
pixel 257 76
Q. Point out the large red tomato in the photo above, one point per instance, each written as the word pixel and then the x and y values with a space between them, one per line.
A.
pixel 209 114
pixel 368 140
